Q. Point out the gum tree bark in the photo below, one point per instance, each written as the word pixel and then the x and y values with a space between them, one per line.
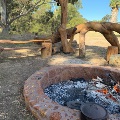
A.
pixel 114 4
pixel 114 14
pixel 82 44
pixel 3 22
pixel 62 30
pixel 3 12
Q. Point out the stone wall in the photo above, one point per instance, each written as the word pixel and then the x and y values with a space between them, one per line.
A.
pixel 42 107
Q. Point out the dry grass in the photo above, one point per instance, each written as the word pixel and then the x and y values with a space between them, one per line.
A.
pixel 96 47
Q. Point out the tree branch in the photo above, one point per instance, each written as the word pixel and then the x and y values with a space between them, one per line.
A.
pixel 23 14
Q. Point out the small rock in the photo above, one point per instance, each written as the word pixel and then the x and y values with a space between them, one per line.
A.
pixel 100 85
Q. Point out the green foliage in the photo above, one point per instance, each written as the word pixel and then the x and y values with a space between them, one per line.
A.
pixel 114 3
pixel 74 17
pixel 31 20
pixel 106 18
pixel 15 8
pixel 42 20
pixel 75 21
pixel 41 23
pixel 76 3
pixel 21 25
pixel 19 8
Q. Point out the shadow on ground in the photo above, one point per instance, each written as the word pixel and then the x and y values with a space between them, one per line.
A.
pixel 95 50
pixel 94 55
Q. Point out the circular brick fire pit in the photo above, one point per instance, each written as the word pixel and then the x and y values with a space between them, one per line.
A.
pixel 42 107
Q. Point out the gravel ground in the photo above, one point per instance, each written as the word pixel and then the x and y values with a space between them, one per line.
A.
pixel 13 74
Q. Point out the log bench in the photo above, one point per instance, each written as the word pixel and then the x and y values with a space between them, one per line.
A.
pixel 46 48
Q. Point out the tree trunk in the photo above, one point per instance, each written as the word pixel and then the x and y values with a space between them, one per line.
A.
pixel 111 51
pixel 4 25
pixel 3 12
pixel 82 46
pixel 5 30
pixel 62 30
pixel 46 50
pixel 114 15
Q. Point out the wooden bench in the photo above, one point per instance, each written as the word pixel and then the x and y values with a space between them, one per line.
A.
pixel 46 48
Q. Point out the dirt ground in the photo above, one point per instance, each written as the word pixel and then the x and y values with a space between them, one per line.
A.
pixel 17 65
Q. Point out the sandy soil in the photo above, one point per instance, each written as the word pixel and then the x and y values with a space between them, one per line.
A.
pixel 13 74
pixel 17 65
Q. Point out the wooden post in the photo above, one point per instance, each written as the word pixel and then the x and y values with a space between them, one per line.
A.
pixel 81 45
pixel 62 29
pixel 46 50
pixel 1 49
pixel 111 51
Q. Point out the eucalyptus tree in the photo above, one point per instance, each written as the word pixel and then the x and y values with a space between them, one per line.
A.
pixel 114 4
pixel 48 21
pixel 106 18
pixel 73 18
pixel 62 29
pixel 35 21
pixel 41 23
pixel 12 10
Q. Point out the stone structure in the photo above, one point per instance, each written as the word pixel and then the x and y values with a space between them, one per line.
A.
pixel 42 107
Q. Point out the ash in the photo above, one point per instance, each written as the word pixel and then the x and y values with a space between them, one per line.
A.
pixel 74 92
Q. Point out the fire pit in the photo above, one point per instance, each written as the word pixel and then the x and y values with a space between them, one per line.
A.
pixel 45 108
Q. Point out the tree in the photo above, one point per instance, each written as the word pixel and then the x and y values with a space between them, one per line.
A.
pixel 41 23
pixel 106 18
pixel 44 21
pixel 62 29
pixel 12 10
pixel 114 4
pixel 21 25
pixel 37 21
pixel 3 13
pixel 73 17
